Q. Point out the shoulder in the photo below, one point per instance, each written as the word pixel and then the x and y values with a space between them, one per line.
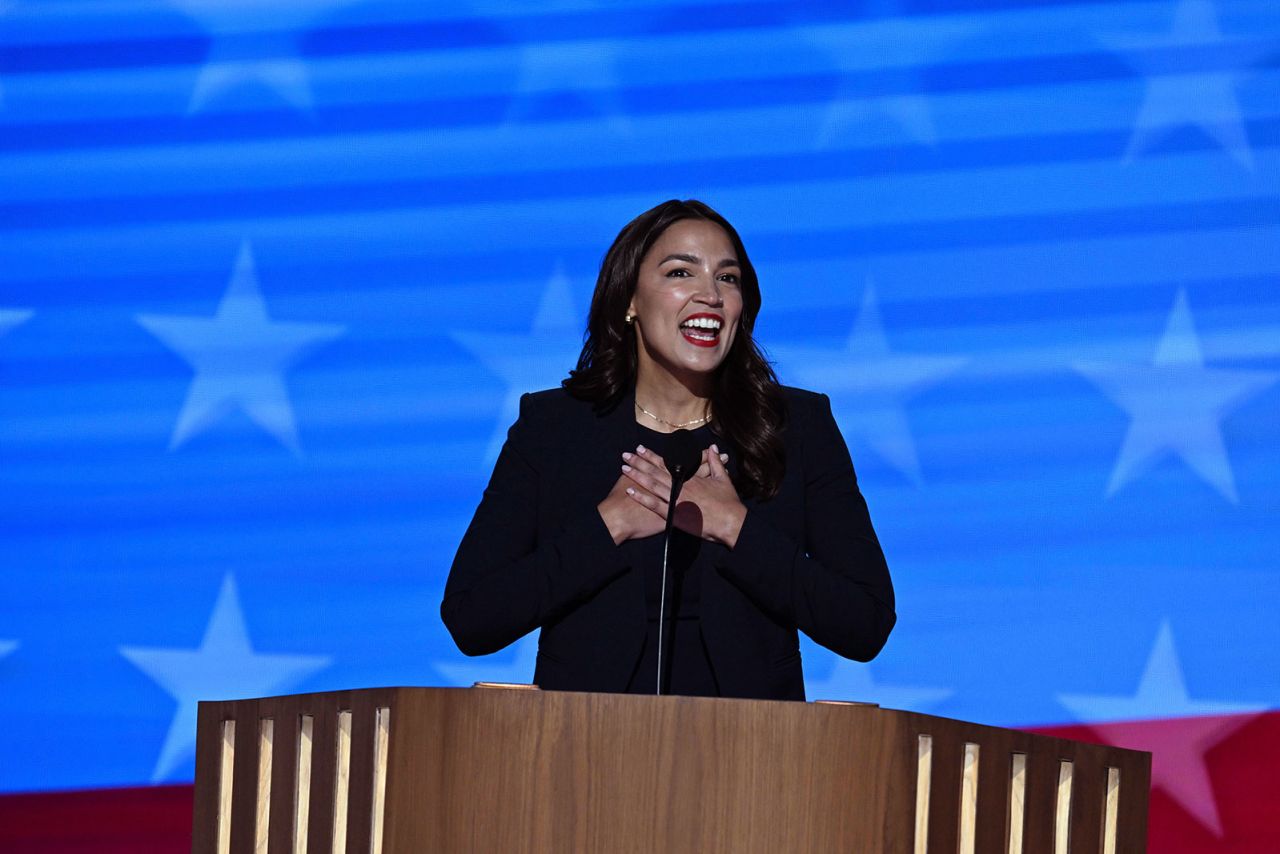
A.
pixel 553 413
pixel 804 406
pixel 553 403
pixel 803 398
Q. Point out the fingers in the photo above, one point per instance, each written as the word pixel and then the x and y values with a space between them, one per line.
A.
pixel 716 461
pixel 648 499
pixel 704 470
pixel 647 469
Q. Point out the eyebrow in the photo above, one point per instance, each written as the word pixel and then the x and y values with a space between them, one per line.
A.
pixel 694 259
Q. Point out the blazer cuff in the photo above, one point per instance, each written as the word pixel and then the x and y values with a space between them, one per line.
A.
pixel 760 562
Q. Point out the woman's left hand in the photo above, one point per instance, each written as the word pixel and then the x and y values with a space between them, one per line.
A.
pixel 708 505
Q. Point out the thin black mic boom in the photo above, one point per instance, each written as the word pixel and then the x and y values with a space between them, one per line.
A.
pixel 683 456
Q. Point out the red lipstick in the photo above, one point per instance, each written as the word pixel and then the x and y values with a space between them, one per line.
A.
pixel 701 336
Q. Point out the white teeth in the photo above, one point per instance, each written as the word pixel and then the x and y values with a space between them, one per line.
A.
pixel 702 323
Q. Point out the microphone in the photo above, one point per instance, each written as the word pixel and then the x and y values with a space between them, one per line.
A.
pixel 682 458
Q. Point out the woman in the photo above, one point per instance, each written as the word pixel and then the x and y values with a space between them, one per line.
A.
pixel 772 535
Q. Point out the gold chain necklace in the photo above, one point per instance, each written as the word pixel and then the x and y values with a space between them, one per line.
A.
pixel 703 420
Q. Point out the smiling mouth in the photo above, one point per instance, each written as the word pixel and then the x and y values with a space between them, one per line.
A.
pixel 702 330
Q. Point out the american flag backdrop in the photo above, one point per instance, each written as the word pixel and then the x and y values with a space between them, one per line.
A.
pixel 274 273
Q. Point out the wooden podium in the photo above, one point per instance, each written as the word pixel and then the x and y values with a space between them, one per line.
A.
pixel 496 770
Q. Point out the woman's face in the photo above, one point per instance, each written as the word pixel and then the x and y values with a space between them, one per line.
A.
pixel 688 299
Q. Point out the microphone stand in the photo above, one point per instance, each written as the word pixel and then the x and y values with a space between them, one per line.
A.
pixel 677 478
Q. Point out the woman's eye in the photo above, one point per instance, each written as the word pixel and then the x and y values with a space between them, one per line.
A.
pixel 678 271
pixel 731 278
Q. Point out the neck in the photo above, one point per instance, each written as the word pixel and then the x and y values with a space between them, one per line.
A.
pixel 673 400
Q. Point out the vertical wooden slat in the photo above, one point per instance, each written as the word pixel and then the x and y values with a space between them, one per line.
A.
pixel 283 771
pixel 924 784
pixel 1131 819
pixel 1088 796
pixel 1017 801
pixel 262 805
pixel 1040 797
pixel 226 784
pixel 323 762
pixel 992 826
pixel 944 799
pixel 969 798
pixel 1111 811
pixel 304 749
pixel 341 781
pixel 204 819
pixel 244 800
pixel 382 743
pixel 1062 808
pixel 360 801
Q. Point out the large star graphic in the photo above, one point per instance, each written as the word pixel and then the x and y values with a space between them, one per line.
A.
pixel 13 317
pixel 223 667
pixel 535 360
pixel 869 384
pixel 518 670
pixel 254 41
pixel 240 357
pixel 1176 405
pixel 852 680
pixel 584 69
pixel 861 47
pixel 1178 92
pixel 1178 743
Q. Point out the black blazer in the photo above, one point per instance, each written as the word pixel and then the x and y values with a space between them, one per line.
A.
pixel 537 554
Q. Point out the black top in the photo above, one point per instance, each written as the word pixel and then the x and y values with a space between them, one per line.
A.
pixel 537 556
pixel 688 671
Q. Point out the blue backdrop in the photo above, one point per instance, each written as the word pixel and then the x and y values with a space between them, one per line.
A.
pixel 273 274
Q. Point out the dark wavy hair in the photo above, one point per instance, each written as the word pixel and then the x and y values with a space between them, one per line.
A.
pixel 747 404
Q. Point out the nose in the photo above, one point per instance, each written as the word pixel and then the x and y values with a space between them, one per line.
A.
pixel 709 293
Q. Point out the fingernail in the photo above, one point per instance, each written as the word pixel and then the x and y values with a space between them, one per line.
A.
pixel 715 447
pixel 626 455
pixel 639 449
pixel 630 491
pixel 626 468
pixel 724 458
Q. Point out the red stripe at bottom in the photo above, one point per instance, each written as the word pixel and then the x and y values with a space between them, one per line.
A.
pixel 144 820
pixel 1215 780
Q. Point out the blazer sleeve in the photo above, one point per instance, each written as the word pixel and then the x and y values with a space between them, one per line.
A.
pixel 834 586
pixel 509 577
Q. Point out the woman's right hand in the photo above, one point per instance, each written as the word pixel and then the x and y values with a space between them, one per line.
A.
pixel 626 518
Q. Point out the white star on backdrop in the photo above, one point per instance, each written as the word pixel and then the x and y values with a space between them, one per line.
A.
pixel 240 357
pixel 1177 746
pixel 908 108
pixel 13 317
pixel 1176 405
pixel 869 384
pixel 254 41
pixel 538 359
pixel 851 680
pixel 1176 97
pixel 223 667
pixel 518 670
pixel 585 69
